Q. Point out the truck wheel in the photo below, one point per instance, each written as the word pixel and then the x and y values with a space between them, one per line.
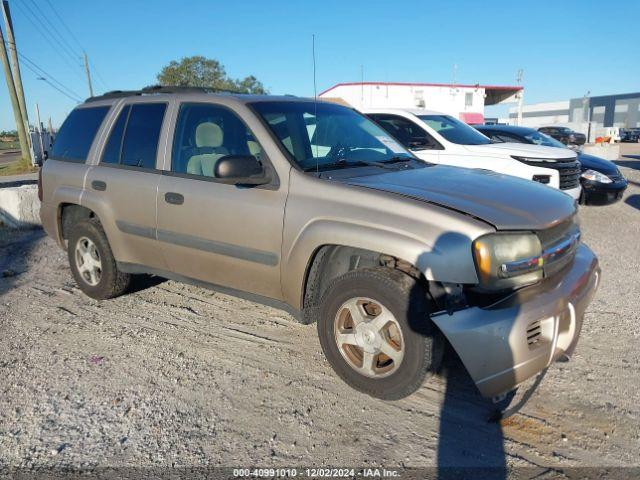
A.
pixel 375 331
pixel 92 262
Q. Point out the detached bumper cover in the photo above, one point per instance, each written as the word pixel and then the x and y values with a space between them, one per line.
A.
pixel 514 339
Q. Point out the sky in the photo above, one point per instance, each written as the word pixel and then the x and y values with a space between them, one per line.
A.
pixel 565 48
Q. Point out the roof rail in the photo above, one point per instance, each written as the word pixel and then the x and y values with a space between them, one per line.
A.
pixel 157 89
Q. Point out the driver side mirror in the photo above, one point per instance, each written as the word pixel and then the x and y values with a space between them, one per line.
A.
pixel 240 170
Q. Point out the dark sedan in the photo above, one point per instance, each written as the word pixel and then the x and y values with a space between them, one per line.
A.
pixel 602 182
pixel 564 135
pixel 630 135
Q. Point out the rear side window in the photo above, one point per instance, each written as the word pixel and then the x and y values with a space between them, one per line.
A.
pixel 134 137
pixel 113 149
pixel 76 135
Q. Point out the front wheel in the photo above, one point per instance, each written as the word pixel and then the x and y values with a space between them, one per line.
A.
pixel 375 331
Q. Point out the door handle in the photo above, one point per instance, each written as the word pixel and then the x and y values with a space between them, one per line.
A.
pixel 174 198
pixel 99 185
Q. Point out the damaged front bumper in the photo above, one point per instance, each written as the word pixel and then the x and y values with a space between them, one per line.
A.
pixel 510 341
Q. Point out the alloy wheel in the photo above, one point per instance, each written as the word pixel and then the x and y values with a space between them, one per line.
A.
pixel 369 337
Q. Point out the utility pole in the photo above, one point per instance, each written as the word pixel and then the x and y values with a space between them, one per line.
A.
pixel 86 68
pixel 22 134
pixel 15 65
pixel 362 85
pixel 519 76
pixel 40 138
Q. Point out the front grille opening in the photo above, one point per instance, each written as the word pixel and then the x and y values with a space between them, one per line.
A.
pixel 534 334
pixel 568 169
pixel 542 179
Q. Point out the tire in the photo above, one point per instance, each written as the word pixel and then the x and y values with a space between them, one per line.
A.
pixel 375 294
pixel 107 281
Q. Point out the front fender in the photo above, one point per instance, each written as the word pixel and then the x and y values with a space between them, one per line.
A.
pixel 444 260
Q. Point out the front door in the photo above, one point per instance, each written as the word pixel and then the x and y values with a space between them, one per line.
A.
pixel 221 234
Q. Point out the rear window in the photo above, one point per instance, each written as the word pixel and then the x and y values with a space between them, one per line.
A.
pixel 76 135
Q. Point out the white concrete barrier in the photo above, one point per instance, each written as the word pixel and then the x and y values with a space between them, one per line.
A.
pixel 607 151
pixel 20 207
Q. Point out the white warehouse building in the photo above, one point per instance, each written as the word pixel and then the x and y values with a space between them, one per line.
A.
pixel 465 102
pixel 593 116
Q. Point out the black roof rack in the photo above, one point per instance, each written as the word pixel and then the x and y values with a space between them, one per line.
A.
pixel 157 89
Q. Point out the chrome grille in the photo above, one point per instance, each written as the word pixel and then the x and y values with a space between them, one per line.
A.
pixel 568 168
pixel 559 244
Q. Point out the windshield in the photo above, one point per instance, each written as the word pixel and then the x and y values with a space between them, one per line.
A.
pixel 321 134
pixel 455 130
pixel 539 138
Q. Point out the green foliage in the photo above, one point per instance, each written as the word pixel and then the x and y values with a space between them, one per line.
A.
pixel 198 71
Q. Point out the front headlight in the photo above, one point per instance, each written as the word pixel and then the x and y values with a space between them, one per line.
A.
pixel 595 176
pixel 508 260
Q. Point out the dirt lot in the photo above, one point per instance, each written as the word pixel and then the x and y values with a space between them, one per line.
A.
pixel 174 375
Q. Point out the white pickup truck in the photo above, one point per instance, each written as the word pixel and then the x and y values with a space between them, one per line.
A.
pixel 440 138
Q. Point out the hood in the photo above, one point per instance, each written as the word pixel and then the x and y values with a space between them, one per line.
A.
pixel 521 150
pixel 507 203
pixel 598 164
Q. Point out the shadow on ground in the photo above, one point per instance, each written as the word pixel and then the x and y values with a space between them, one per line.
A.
pixel 469 444
pixel 634 164
pixel 470 440
pixel 15 248
pixel 633 201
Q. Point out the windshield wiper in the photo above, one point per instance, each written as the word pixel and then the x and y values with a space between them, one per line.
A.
pixel 342 163
pixel 399 158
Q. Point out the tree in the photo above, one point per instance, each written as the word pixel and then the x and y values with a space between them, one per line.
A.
pixel 198 71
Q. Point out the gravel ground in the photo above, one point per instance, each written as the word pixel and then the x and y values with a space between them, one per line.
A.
pixel 174 375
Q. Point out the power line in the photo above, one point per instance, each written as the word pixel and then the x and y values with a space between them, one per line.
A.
pixel 64 24
pixel 42 72
pixel 100 79
pixel 51 84
pixel 75 39
pixel 42 29
pixel 31 65
pixel 54 29
pixel 45 76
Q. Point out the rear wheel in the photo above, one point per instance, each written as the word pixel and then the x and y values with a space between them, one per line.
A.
pixel 375 331
pixel 92 262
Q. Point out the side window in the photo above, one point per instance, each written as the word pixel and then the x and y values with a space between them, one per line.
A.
pixel 113 148
pixel 407 132
pixel 76 135
pixel 140 144
pixel 134 137
pixel 505 137
pixel 204 134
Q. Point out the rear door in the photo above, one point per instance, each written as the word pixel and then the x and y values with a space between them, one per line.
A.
pixel 411 135
pixel 125 182
pixel 222 234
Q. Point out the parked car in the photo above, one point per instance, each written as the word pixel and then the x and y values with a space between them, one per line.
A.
pixel 630 135
pixel 602 182
pixel 311 207
pixel 439 138
pixel 565 135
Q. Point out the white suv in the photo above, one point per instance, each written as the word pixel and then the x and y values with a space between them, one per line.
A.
pixel 440 138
